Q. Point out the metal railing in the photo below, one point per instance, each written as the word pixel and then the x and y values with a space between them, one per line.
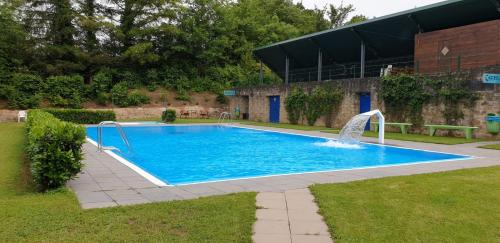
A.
pixel 119 128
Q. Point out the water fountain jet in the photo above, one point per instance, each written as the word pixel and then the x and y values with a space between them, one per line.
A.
pixel 353 130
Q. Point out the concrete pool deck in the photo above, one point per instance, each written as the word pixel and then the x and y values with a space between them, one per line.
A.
pixel 106 182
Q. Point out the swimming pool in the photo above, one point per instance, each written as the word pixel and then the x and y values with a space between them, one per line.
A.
pixel 202 153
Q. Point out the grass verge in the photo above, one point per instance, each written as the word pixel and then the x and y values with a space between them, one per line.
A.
pixel 57 217
pixel 287 126
pixel 491 146
pixel 421 138
pixel 457 206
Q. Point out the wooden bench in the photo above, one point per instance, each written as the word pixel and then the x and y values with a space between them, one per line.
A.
pixel 468 130
pixel 403 126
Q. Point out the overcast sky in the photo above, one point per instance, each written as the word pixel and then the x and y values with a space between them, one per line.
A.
pixel 373 8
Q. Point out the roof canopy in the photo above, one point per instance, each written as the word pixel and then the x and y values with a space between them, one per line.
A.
pixel 385 37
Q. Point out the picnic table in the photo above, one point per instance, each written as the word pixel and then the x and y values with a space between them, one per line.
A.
pixel 403 126
pixel 467 130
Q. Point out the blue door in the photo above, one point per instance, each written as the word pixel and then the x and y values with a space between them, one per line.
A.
pixel 274 109
pixel 364 106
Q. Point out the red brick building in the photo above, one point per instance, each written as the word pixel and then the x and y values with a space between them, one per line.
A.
pixel 460 48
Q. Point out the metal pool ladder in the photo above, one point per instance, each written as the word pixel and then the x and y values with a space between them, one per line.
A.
pixel 100 146
pixel 224 116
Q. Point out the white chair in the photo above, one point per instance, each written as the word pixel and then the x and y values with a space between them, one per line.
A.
pixel 23 115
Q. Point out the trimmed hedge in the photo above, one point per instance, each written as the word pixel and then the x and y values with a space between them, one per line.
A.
pixel 168 115
pixel 54 149
pixel 82 116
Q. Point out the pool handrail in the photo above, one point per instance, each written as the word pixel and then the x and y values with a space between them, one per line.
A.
pixel 119 128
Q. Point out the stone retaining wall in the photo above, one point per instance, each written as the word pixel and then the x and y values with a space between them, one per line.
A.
pixel 132 112
pixel 488 102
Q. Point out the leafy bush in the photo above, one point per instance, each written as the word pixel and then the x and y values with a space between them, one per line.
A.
pixel 183 95
pixel 65 91
pixel 54 149
pixel 315 105
pixel 130 79
pixel 119 94
pixel 102 98
pixel 102 82
pixel 82 116
pixel 295 105
pixel 333 99
pixel 221 98
pixel 405 96
pixel 168 115
pixel 152 87
pixel 24 91
pixel 137 98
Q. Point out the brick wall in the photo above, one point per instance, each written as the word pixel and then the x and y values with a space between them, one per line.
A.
pixel 467 47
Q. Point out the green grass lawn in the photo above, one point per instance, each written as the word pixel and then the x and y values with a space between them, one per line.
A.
pixel 156 119
pixel 491 146
pixel 287 126
pixel 421 138
pixel 194 120
pixel 458 206
pixel 57 216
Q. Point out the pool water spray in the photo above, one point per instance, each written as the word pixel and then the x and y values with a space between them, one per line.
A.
pixel 351 133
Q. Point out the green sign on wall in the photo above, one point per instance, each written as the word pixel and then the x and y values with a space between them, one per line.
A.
pixel 230 92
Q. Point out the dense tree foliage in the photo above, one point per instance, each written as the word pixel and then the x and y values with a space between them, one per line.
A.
pixel 186 45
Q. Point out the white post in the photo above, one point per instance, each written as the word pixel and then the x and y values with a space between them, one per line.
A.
pixel 381 126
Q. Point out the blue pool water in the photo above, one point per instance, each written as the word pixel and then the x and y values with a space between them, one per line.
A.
pixel 190 154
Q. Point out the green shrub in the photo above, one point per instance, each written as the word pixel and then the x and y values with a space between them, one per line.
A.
pixel 119 94
pixel 221 98
pixel 131 79
pixel 183 95
pixel 24 91
pixel 152 87
pixel 65 91
pixel 168 115
pixel 315 105
pixel 82 116
pixel 54 149
pixel 102 82
pixel 295 105
pixel 137 98
pixel 102 98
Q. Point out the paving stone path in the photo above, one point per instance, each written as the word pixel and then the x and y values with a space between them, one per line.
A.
pixel 290 216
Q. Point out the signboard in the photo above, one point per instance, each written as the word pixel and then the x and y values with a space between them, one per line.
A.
pixel 229 92
pixel 491 78
pixel 493 118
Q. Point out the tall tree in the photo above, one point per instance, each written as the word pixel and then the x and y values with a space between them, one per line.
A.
pixel 50 23
pixel 12 40
pixel 338 14
pixel 90 24
pixel 357 19
pixel 138 23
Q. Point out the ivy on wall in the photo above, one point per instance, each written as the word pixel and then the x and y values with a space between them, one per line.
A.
pixel 405 96
pixel 453 93
pixel 295 105
pixel 320 102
